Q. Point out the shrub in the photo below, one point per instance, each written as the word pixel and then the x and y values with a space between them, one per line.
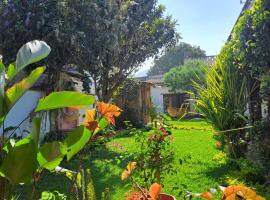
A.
pixel 155 158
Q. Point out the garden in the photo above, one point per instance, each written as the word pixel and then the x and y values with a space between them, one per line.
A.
pixel 216 146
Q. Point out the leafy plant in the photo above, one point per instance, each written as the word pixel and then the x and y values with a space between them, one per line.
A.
pixel 155 157
pixel 223 102
pixel 152 111
pixel 23 160
pixel 55 195
pixel 245 61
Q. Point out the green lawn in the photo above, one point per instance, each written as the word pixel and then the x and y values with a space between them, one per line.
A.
pixel 192 139
pixel 196 174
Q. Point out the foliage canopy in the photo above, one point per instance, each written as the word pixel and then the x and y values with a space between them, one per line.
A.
pixel 174 57
pixel 109 39
pixel 181 77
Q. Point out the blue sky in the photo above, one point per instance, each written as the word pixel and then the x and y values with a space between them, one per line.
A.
pixel 205 23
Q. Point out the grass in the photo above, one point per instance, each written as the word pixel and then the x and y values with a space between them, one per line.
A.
pixel 192 139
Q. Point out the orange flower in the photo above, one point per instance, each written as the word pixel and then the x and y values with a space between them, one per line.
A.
pixel 207 195
pixel 234 191
pixel 89 120
pixel 126 173
pixel 154 191
pixel 108 111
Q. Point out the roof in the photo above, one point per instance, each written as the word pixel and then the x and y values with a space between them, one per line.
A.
pixel 72 70
pixel 157 79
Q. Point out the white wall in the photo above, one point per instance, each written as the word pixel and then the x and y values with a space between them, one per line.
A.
pixel 22 109
pixel 157 97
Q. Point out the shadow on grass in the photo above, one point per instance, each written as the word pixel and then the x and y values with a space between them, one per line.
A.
pixel 219 171
pixel 104 175
pixel 106 171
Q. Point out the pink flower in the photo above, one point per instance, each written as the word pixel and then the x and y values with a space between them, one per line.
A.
pixel 162 129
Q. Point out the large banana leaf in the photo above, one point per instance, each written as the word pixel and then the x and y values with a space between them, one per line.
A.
pixel 21 162
pixel 14 93
pixel 51 154
pixel 64 99
pixel 31 52
pixel 76 140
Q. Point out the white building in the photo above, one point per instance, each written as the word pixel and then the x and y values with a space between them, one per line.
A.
pixel 158 88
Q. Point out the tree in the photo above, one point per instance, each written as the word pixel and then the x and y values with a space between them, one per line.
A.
pixel 125 33
pixel 107 38
pixel 174 57
pixel 182 77
pixel 25 20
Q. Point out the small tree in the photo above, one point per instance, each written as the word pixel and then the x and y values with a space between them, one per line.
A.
pixel 181 77
pixel 174 57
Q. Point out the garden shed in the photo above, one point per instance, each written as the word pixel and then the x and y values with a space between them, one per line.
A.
pixel 135 103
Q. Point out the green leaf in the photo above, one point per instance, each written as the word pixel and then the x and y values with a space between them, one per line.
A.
pixel 21 162
pixel 64 99
pixel 76 140
pixel 31 52
pixel 2 88
pixel 9 145
pixel 14 93
pixel 50 155
pixel 55 195
pixel 11 71
pixel 36 122
pixel 103 123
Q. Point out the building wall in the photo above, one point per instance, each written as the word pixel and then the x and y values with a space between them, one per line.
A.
pixel 21 110
pixel 70 118
pixel 157 92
